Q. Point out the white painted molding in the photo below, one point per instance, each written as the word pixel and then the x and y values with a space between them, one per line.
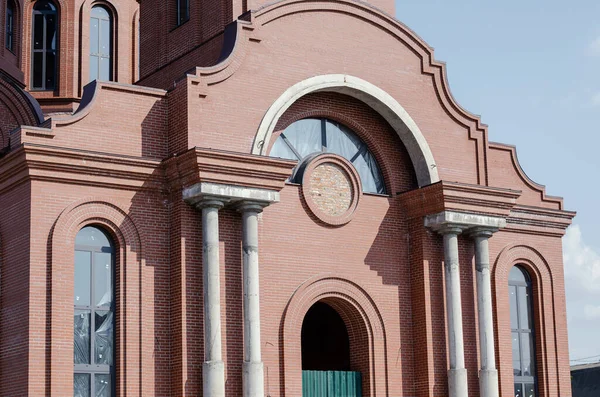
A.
pixel 451 219
pixel 229 193
pixel 376 98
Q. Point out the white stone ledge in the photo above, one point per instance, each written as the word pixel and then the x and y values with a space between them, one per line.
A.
pixel 229 193
pixel 464 221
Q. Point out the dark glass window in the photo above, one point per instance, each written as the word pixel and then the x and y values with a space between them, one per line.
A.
pixel 9 39
pixel 522 332
pixel 45 45
pixel 93 356
pixel 100 44
pixel 183 11
pixel 308 136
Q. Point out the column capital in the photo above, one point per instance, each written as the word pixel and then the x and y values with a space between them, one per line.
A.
pixel 210 202
pixel 250 206
pixel 482 231
pixel 449 229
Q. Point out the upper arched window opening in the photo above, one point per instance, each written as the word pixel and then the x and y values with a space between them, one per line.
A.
pixel 101 51
pixel 9 39
pixel 45 45
pixel 94 309
pixel 312 135
pixel 522 332
pixel 183 11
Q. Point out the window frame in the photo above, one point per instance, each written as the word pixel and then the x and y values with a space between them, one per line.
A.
pixel 362 149
pixel 9 37
pixel 44 51
pixel 98 369
pixel 181 19
pixel 111 42
pixel 520 330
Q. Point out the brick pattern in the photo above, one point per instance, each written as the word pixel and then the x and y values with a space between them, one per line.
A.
pixel 382 271
pixel 331 189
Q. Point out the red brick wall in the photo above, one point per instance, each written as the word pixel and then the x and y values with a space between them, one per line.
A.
pixel 163 42
pixel 394 265
pixel 15 298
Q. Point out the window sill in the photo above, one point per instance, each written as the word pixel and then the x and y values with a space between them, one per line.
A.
pixel 180 25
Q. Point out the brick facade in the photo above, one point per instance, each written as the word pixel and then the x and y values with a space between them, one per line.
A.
pixel 209 102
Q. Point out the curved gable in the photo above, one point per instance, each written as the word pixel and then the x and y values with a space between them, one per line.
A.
pixel 17 108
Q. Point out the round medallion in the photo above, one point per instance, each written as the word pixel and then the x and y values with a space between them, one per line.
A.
pixel 331 188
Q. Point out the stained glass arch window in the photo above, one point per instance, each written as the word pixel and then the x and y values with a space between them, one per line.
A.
pixel 94 310
pixel 320 135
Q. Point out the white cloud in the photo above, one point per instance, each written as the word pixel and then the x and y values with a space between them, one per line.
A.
pixel 594 47
pixel 596 99
pixel 582 263
pixel 591 312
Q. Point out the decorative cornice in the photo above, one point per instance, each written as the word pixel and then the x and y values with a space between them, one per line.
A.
pixel 52 164
pixel 459 197
pixel 537 220
pixel 227 168
pixel 481 201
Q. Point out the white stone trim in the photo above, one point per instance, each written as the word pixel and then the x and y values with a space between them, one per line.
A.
pixel 229 193
pixel 463 220
pixel 376 98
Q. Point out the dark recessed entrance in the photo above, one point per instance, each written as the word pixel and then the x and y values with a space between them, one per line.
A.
pixel 326 363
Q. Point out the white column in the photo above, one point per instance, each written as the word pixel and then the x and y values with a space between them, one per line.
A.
pixel 253 377
pixel 488 375
pixel 213 369
pixel 457 374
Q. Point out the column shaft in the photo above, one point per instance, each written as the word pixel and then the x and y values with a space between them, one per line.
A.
pixel 457 374
pixel 488 375
pixel 213 368
pixel 252 366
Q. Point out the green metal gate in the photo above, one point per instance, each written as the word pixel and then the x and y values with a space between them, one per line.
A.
pixel 331 384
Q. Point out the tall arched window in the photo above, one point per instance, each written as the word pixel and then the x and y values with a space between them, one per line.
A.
pixel 45 45
pixel 101 67
pixel 9 39
pixel 183 11
pixel 308 136
pixel 94 314
pixel 522 332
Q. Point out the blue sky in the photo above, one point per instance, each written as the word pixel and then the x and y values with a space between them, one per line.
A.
pixel 531 69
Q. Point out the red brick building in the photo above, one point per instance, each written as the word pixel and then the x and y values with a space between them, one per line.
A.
pixel 259 198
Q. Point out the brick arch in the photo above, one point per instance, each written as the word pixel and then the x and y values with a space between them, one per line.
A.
pixel 392 157
pixel 363 321
pixel 382 102
pixel 17 107
pixel 543 283
pixel 112 218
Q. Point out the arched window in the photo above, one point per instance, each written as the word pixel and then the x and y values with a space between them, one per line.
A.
pixel 183 11
pixel 9 40
pixel 522 332
pixel 94 314
pixel 308 136
pixel 45 45
pixel 101 67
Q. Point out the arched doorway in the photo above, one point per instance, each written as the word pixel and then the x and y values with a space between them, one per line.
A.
pixel 327 362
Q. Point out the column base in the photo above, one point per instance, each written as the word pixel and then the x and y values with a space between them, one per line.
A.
pixel 213 378
pixel 457 383
pixel 488 383
pixel 254 379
